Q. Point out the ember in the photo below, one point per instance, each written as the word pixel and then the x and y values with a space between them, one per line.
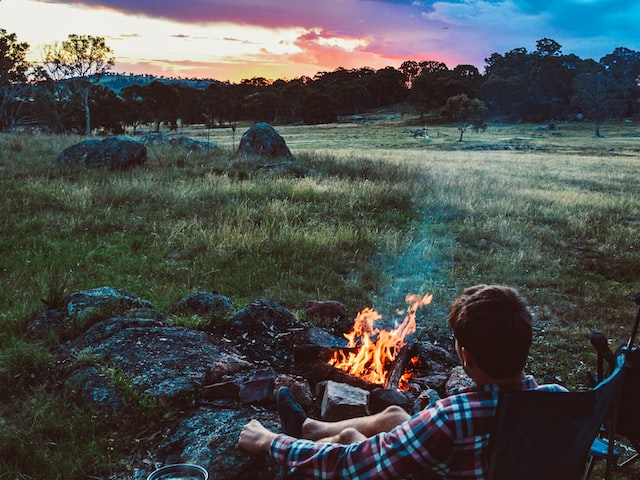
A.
pixel 371 350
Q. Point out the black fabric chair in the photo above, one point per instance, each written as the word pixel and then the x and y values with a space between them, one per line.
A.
pixel 626 424
pixel 547 435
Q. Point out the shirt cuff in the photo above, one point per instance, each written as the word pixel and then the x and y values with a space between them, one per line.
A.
pixel 279 448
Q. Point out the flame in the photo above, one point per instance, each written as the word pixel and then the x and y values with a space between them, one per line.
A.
pixel 375 348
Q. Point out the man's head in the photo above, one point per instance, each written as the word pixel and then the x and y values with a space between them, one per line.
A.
pixel 494 325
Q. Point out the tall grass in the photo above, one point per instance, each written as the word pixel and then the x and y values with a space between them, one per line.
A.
pixel 563 229
pixel 383 214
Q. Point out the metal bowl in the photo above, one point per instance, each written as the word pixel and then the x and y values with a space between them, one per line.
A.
pixel 179 471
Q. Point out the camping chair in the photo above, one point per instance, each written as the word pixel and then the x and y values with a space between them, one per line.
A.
pixel 547 435
pixel 608 446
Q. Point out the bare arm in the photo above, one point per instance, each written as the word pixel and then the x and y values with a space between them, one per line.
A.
pixel 255 438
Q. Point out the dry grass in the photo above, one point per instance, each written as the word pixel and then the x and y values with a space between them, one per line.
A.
pixel 557 216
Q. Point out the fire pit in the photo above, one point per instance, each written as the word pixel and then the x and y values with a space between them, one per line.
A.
pixel 380 356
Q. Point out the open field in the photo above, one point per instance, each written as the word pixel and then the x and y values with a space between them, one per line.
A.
pixel 395 131
pixel 556 214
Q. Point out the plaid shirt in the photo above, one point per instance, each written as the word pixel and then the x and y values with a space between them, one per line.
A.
pixel 447 440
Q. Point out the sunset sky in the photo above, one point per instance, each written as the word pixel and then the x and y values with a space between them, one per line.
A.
pixel 237 39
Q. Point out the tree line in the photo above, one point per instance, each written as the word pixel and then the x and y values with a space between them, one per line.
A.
pixel 68 91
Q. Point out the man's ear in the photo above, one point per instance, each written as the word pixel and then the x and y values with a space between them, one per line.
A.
pixel 468 360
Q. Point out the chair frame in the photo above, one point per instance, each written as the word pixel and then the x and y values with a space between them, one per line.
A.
pixel 507 457
pixel 613 453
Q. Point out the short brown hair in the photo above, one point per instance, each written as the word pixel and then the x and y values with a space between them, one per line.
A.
pixel 494 324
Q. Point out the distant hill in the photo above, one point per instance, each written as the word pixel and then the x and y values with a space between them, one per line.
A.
pixel 117 81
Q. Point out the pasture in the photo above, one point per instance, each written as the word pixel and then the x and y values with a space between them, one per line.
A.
pixel 553 212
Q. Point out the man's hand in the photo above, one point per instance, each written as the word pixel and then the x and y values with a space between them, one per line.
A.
pixel 255 438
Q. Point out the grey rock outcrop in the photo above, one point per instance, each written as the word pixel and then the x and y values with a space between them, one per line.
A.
pixel 208 305
pixel 119 357
pixel 113 153
pixel 192 144
pixel 263 140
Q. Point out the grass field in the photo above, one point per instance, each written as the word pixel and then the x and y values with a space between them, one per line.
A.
pixel 553 212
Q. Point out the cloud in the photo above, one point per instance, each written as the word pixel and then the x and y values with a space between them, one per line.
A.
pixel 322 35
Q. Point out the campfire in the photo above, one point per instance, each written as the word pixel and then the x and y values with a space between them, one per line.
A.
pixel 376 355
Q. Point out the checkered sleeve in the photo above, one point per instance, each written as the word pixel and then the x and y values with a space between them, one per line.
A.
pixel 422 444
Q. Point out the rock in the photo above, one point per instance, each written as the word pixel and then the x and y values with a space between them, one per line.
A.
pixel 113 153
pixel 299 386
pixel 263 140
pixel 192 144
pixel 45 322
pixel 80 153
pixel 221 390
pixel 426 398
pixel 266 331
pixel 96 390
pixel 102 302
pixel 382 398
pixel 458 379
pixel 342 401
pixel 437 381
pixel 154 138
pixel 81 309
pixel 264 315
pixel 315 343
pixel 259 388
pixel 435 359
pixel 212 306
pixel 169 364
pixel 326 309
pixel 207 437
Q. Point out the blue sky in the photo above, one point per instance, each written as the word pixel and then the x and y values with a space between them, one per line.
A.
pixel 235 39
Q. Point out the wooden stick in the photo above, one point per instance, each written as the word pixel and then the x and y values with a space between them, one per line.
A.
pixel 406 353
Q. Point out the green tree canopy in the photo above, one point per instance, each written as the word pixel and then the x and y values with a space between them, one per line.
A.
pixel 13 75
pixel 466 112
pixel 81 60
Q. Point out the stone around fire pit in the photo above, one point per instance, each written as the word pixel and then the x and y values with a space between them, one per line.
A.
pixel 341 401
pixel 382 398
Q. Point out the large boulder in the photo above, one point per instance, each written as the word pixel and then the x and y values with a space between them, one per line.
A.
pixel 81 309
pixel 208 305
pixel 167 363
pixel 113 153
pixel 121 366
pixel 192 144
pixel 208 437
pixel 263 140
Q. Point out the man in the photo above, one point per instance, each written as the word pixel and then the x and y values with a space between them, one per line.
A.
pixel 492 330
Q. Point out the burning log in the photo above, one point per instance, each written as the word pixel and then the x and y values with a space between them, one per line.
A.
pixel 399 365
pixel 322 371
pixel 377 348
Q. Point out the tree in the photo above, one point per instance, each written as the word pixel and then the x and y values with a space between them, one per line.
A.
pixel 135 111
pixel 13 77
pixel 430 88
pixel 107 112
pixel 317 108
pixel 410 69
pixel 162 101
pixel 547 47
pixel 80 60
pixel 387 86
pixel 598 96
pixel 505 98
pixel 624 65
pixel 466 112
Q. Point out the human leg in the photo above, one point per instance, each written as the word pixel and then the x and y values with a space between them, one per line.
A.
pixel 296 423
pixel 367 426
